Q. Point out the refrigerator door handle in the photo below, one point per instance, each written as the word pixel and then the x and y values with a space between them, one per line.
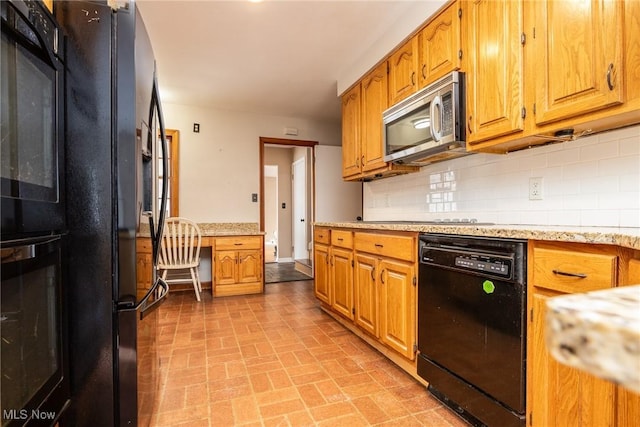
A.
pixel 157 107
pixel 161 296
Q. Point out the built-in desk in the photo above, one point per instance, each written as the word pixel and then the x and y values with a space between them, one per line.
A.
pixel 237 253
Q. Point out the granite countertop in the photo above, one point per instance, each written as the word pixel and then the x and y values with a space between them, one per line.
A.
pixel 628 237
pixel 209 229
pixel 598 332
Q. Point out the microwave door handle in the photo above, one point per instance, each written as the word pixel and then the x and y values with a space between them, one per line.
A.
pixel 436 104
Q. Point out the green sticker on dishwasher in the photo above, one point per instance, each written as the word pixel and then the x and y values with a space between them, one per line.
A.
pixel 488 286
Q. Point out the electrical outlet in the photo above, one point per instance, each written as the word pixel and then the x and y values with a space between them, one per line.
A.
pixel 536 188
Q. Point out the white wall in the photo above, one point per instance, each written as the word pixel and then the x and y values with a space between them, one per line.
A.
pixel 593 181
pixel 336 200
pixel 220 166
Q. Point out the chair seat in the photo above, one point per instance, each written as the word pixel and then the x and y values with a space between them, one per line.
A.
pixel 178 266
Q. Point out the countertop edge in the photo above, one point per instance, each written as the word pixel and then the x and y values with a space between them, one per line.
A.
pixel 619 236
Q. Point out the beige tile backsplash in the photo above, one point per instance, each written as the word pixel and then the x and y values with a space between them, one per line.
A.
pixel 593 181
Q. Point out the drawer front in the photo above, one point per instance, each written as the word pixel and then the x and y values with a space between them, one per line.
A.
pixel 399 247
pixel 341 238
pixel 569 271
pixel 238 243
pixel 321 235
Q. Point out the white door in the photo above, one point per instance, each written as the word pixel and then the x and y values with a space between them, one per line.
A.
pixel 299 194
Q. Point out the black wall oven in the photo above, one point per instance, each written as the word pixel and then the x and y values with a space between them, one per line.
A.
pixel 34 383
pixel 32 121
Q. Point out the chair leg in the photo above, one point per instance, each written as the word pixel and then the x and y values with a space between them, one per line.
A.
pixel 195 283
pixel 198 279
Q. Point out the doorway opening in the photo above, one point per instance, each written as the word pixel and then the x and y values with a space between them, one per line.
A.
pixel 286 217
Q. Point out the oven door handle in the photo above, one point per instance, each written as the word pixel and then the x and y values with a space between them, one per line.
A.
pixel 24 252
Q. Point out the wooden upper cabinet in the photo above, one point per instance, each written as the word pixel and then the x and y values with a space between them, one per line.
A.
pixel 440 45
pixel 351 132
pixel 495 69
pixel 578 57
pixel 403 66
pixel 374 102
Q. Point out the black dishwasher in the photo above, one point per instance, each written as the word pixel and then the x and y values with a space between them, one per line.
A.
pixel 472 326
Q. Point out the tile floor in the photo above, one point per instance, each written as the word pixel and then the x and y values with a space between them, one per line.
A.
pixel 282 272
pixel 278 360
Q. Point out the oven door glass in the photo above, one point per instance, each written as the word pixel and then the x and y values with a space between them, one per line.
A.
pixel 31 328
pixel 28 158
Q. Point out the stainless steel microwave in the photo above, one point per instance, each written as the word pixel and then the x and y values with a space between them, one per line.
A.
pixel 428 126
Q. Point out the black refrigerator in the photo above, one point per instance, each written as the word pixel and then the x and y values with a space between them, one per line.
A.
pixel 114 131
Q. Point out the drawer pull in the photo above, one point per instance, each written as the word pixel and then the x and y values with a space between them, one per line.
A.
pixel 564 273
pixel 378 245
pixel 238 244
pixel 340 239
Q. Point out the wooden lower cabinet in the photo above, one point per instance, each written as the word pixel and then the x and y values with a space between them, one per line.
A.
pixel 385 298
pixel 321 272
pixel 238 265
pixel 558 395
pixel 366 294
pixel 371 283
pixel 144 262
pixel 341 268
pixel 397 303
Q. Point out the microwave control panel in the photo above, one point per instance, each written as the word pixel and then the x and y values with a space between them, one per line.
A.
pixel 447 114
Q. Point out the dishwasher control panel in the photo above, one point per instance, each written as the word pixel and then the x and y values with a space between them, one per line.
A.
pixel 501 267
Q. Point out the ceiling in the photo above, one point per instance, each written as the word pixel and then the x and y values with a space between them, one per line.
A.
pixel 273 57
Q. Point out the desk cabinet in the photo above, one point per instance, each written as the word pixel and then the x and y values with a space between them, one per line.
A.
pixel 238 266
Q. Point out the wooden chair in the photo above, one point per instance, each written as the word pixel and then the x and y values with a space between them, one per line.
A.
pixel 180 250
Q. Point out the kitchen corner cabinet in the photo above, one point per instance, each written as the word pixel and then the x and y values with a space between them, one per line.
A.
pixel 440 45
pixel 578 57
pixel 362 149
pixel 495 96
pixel 238 265
pixel 385 289
pixel 559 395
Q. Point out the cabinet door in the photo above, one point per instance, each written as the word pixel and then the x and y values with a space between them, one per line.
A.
pixel 321 274
pixel 494 78
pixel 366 293
pixel 403 64
pixel 564 396
pixel 374 102
pixel 226 270
pixel 351 133
pixel 440 46
pixel 342 281
pixel 249 266
pixel 578 57
pixel 398 306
